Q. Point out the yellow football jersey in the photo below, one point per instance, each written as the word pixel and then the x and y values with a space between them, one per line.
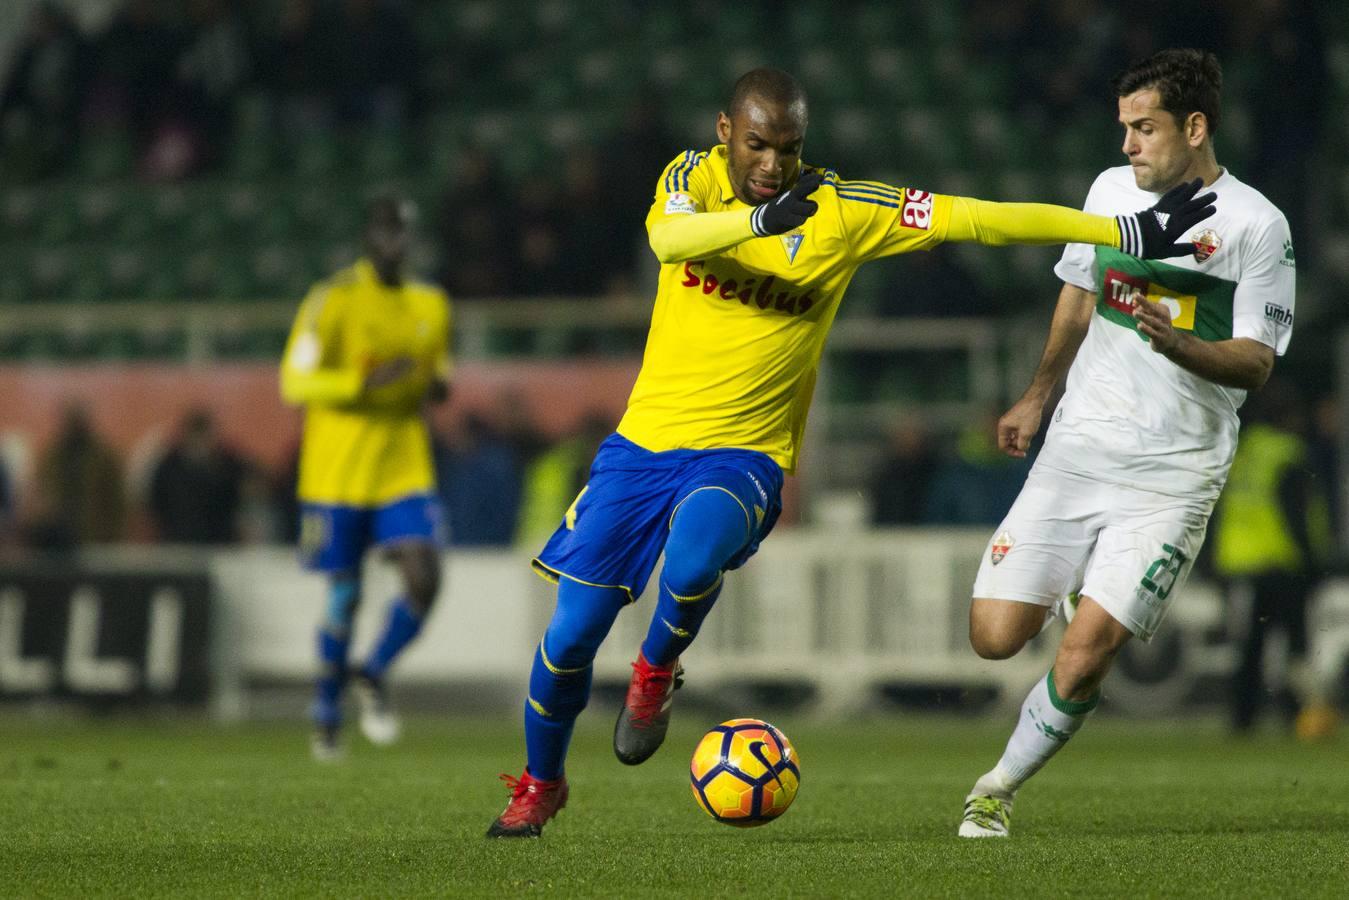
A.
pixel 735 340
pixel 365 447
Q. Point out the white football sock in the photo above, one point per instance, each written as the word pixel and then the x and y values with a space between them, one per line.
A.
pixel 1045 724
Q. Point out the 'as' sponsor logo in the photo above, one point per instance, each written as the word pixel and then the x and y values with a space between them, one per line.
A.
pixel 917 210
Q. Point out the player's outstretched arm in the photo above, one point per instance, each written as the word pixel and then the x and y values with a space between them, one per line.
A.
pixel 1157 232
pixel 692 235
pixel 1072 317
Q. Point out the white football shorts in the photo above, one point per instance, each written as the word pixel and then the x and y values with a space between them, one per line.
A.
pixel 1128 549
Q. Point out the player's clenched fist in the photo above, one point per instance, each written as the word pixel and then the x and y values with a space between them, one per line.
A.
pixel 1017 426
pixel 1154 323
pixel 788 211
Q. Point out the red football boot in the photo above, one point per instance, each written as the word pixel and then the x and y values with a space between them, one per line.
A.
pixel 645 716
pixel 533 802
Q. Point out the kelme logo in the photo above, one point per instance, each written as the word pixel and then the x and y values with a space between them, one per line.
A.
pixel 1288 259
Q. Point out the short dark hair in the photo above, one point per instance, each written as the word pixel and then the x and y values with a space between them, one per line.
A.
pixel 1188 81
pixel 389 208
pixel 770 84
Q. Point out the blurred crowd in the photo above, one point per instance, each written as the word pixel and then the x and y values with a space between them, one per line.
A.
pixel 501 481
pixel 173 77
pixel 170 75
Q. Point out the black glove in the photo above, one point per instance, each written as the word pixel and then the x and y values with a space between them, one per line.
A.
pixel 788 211
pixel 1155 232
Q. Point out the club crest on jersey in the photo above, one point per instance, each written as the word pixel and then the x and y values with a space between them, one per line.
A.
pixel 1002 545
pixel 791 242
pixel 1206 243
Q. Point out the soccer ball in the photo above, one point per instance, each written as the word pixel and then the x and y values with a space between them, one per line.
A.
pixel 745 773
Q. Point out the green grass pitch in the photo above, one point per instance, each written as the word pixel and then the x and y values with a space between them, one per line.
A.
pixel 131 808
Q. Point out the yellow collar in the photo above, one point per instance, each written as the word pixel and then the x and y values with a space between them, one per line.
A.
pixel 365 273
pixel 364 270
pixel 723 175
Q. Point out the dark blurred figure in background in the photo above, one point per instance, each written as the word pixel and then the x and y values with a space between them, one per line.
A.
pixel 9 502
pixel 301 66
pixel 935 285
pixel 80 497
pixel 475 230
pixel 284 497
pixel 902 480
pixel 135 57
pixel 556 476
pixel 516 424
pixel 1271 541
pixel 1325 458
pixel 1283 46
pixel 215 62
pixel 587 265
pixel 196 489
pixel 1071 48
pixel 627 158
pixel 377 53
pixel 42 94
pixel 537 265
pixel 479 478
pixel 977 483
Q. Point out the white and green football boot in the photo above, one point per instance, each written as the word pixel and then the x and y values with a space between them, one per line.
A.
pixel 986 816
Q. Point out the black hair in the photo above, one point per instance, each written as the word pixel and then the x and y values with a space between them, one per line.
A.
pixel 389 207
pixel 1188 81
pixel 769 84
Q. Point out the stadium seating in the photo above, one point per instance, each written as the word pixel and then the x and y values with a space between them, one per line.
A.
pixel 897 98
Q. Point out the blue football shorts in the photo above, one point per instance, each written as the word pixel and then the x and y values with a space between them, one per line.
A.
pixel 615 530
pixel 334 537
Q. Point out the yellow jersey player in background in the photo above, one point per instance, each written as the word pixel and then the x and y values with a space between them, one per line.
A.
pixel 756 250
pixel 368 351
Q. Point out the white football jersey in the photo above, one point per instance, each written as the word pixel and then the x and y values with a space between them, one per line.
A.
pixel 1132 416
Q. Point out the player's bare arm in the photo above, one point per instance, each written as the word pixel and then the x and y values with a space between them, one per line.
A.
pixel 1240 362
pixel 1072 317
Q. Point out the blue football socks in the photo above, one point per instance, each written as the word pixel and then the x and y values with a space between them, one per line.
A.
pixel 559 683
pixel 708 530
pixel 334 638
pixel 401 627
